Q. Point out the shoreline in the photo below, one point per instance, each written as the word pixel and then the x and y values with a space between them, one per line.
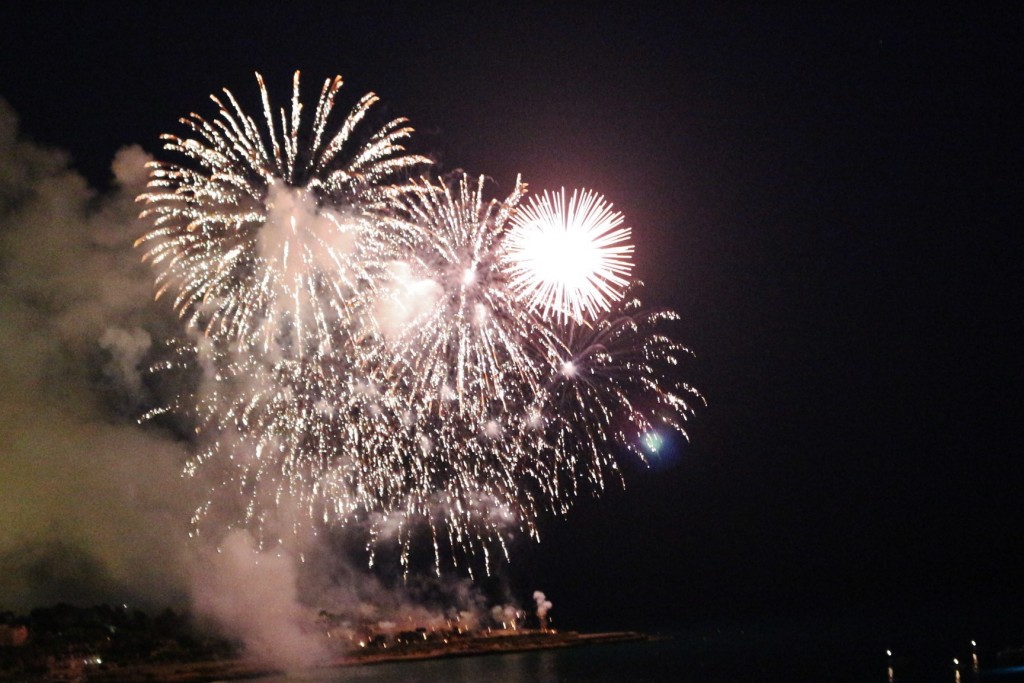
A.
pixel 492 644
pixel 469 646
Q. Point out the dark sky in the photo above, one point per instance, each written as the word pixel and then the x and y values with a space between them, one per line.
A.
pixel 829 198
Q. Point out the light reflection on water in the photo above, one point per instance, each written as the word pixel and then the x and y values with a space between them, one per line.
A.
pixel 540 667
pixel 626 661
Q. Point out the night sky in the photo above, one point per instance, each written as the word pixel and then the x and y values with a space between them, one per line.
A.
pixel 829 198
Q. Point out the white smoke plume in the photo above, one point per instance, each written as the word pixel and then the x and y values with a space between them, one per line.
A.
pixel 507 617
pixel 543 606
pixel 252 595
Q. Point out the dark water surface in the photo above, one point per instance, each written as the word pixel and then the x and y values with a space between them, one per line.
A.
pixel 806 650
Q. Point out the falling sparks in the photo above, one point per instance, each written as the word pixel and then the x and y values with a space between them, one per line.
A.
pixel 396 351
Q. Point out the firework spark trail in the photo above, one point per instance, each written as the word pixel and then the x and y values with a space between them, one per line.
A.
pixel 397 352
pixel 614 385
pixel 472 348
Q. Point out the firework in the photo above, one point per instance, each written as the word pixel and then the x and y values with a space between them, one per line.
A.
pixel 468 347
pixel 267 235
pixel 612 385
pixel 569 258
pixel 391 352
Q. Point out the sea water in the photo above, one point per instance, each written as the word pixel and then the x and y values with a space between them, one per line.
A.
pixel 765 651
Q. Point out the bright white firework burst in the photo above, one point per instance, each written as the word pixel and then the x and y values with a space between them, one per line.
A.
pixel 266 235
pixel 392 352
pixel 570 259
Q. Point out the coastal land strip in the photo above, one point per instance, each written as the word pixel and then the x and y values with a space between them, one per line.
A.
pixel 466 646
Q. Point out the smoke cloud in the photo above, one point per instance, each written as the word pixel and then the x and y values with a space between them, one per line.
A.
pixel 543 607
pixel 87 497
pixel 252 595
